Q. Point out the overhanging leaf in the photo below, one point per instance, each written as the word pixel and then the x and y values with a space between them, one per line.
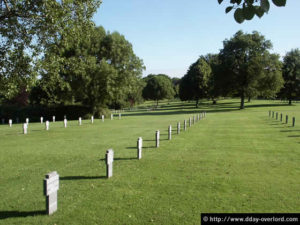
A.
pixel 238 15
pixel 249 12
pixel 265 5
pixel 279 2
pixel 228 9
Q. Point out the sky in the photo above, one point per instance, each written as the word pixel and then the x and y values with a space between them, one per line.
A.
pixel 169 35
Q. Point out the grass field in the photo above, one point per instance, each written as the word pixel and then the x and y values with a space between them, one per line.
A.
pixel 232 161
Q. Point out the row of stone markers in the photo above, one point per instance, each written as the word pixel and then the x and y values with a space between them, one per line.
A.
pixel 273 114
pixel 51 182
pixel 65 121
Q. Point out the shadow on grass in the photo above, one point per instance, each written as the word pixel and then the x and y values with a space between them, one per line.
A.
pixel 15 214
pixel 294 136
pixel 289 130
pixel 82 177
pixel 119 159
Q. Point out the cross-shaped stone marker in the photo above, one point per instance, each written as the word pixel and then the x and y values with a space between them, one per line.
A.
pixel 109 158
pixel 139 147
pixel 51 186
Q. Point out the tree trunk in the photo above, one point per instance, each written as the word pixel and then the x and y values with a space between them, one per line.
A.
pixel 249 99
pixel 242 101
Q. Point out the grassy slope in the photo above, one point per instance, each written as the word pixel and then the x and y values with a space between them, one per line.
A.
pixel 232 161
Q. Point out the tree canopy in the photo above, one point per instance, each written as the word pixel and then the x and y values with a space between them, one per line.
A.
pixel 158 87
pixel 247 65
pixel 291 75
pixel 195 84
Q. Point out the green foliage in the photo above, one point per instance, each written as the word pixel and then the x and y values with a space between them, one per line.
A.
pixel 247 9
pixel 291 75
pixel 158 87
pixel 195 84
pixel 247 65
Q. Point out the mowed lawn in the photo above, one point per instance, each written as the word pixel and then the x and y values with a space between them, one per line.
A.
pixel 231 161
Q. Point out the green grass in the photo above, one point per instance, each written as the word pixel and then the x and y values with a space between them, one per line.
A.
pixel 232 161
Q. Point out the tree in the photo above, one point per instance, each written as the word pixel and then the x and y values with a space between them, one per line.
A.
pixel 291 75
pixel 158 87
pixel 176 83
pixel 96 69
pixel 247 64
pixel 247 9
pixel 194 85
pixel 30 27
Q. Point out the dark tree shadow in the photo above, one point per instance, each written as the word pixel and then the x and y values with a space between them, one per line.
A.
pixel 294 136
pixel 131 158
pixel 289 130
pixel 15 214
pixel 131 147
pixel 81 177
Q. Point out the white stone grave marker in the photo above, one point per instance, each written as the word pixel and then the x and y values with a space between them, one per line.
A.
pixel 42 119
pixel 47 124
pixel 111 116
pixel 10 122
pixel 109 162
pixel 157 138
pixel 25 126
pixel 65 123
pixel 51 186
pixel 79 121
pixel 27 121
pixel 184 125
pixel 139 147
pixel 102 118
pixel 53 119
pixel 170 132
pixel 92 119
pixel 178 128
pixel 120 116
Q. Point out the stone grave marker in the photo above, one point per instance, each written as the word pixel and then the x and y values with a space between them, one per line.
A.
pixel 170 132
pixel 47 125
pixel 120 116
pixel 10 122
pixel 65 123
pixel 111 116
pixel 294 120
pixel 109 156
pixel 139 147
pixel 190 122
pixel 184 125
pixel 53 119
pixel 51 186
pixel 92 119
pixel 193 119
pixel 102 118
pixel 27 121
pixel 281 117
pixel 25 126
pixel 79 121
pixel 276 115
pixel 157 138
pixel 42 119
pixel 178 128
pixel 286 119
pixel 273 114
pixel 269 113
